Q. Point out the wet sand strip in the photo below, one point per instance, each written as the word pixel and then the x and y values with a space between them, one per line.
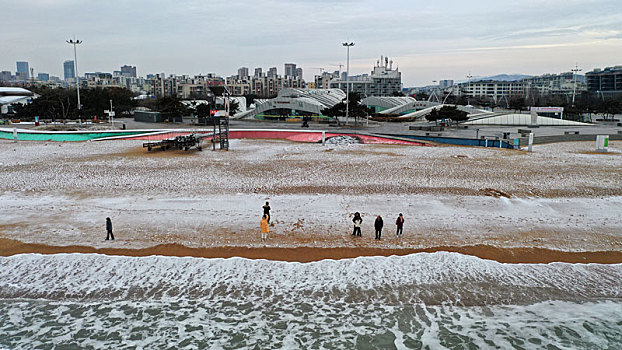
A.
pixel 534 255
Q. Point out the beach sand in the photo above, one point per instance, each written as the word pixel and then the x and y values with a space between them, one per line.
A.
pixel 559 203
pixel 10 247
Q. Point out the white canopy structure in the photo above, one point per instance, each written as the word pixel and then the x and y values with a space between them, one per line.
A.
pixel 10 95
pixel 310 101
pixel 523 120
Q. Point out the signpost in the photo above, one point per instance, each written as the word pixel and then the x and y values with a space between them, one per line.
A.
pixel 110 114
pixel 557 111
pixel 602 143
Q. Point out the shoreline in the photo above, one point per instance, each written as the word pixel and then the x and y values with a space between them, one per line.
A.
pixel 302 254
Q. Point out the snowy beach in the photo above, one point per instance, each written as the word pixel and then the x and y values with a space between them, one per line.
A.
pixel 562 196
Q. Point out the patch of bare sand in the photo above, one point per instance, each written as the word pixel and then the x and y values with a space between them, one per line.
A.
pixel 10 247
pixel 610 153
pixel 141 152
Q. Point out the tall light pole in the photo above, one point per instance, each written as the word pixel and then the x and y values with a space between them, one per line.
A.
pixel 347 45
pixel 75 42
pixel 574 73
pixel 470 91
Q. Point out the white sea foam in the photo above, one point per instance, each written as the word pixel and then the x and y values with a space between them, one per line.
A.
pixel 438 300
pixel 431 278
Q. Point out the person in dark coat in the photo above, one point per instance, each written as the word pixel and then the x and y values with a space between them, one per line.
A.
pixel 378 226
pixel 109 235
pixel 266 210
pixel 357 224
pixel 400 225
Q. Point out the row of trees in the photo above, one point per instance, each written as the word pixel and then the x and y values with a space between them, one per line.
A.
pixel 61 103
pixel 585 103
pixel 355 109
pixel 447 113
pixel 175 107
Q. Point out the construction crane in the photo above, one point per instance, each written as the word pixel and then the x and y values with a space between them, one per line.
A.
pixel 320 68
pixel 339 65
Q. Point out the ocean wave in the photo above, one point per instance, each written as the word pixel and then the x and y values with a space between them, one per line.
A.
pixel 304 323
pixel 429 278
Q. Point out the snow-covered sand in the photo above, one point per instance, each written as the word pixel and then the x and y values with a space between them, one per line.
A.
pixel 561 196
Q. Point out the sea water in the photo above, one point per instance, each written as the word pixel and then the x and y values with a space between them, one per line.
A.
pixel 427 300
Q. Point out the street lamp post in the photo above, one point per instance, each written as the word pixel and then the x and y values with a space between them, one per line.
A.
pixel 347 45
pixel 470 91
pixel 574 73
pixel 75 42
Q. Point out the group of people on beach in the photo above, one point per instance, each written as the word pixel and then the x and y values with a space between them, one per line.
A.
pixel 264 224
pixel 378 225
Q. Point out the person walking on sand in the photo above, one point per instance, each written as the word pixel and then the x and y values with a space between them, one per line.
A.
pixel 266 210
pixel 265 227
pixel 109 234
pixel 378 226
pixel 357 224
pixel 400 225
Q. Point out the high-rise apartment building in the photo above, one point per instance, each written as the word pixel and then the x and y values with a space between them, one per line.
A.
pixel 298 73
pixel 555 84
pixel 258 72
pixel 290 69
pixel 22 72
pixel 242 72
pixel 22 67
pixel 445 83
pixel 43 77
pixel 383 81
pixel 128 71
pixel 69 70
pixel 272 72
pixel 5 75
pixel 495 89
pixel 608 80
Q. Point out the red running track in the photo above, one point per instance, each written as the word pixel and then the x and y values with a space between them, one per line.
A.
pixel 298 136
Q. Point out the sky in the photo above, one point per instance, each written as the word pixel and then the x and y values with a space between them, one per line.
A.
pixel 427 40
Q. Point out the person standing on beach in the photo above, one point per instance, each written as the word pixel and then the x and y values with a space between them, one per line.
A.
pixel 265 227
pixel 266 211
pixel 400 225
pixel 357 224
pixel 109 234
pixel 378 226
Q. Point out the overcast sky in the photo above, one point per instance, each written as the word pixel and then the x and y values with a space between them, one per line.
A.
pixel 428 40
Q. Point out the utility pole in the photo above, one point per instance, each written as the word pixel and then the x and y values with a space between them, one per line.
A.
pixel 574 73
pixel 75 42
pixel 347 45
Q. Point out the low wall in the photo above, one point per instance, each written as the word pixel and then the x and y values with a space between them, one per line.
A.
pixel 35 135
pixel 456 140
pixel 161 134
pixel 148 117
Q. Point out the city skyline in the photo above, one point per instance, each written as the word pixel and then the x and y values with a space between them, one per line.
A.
pixel 427 41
